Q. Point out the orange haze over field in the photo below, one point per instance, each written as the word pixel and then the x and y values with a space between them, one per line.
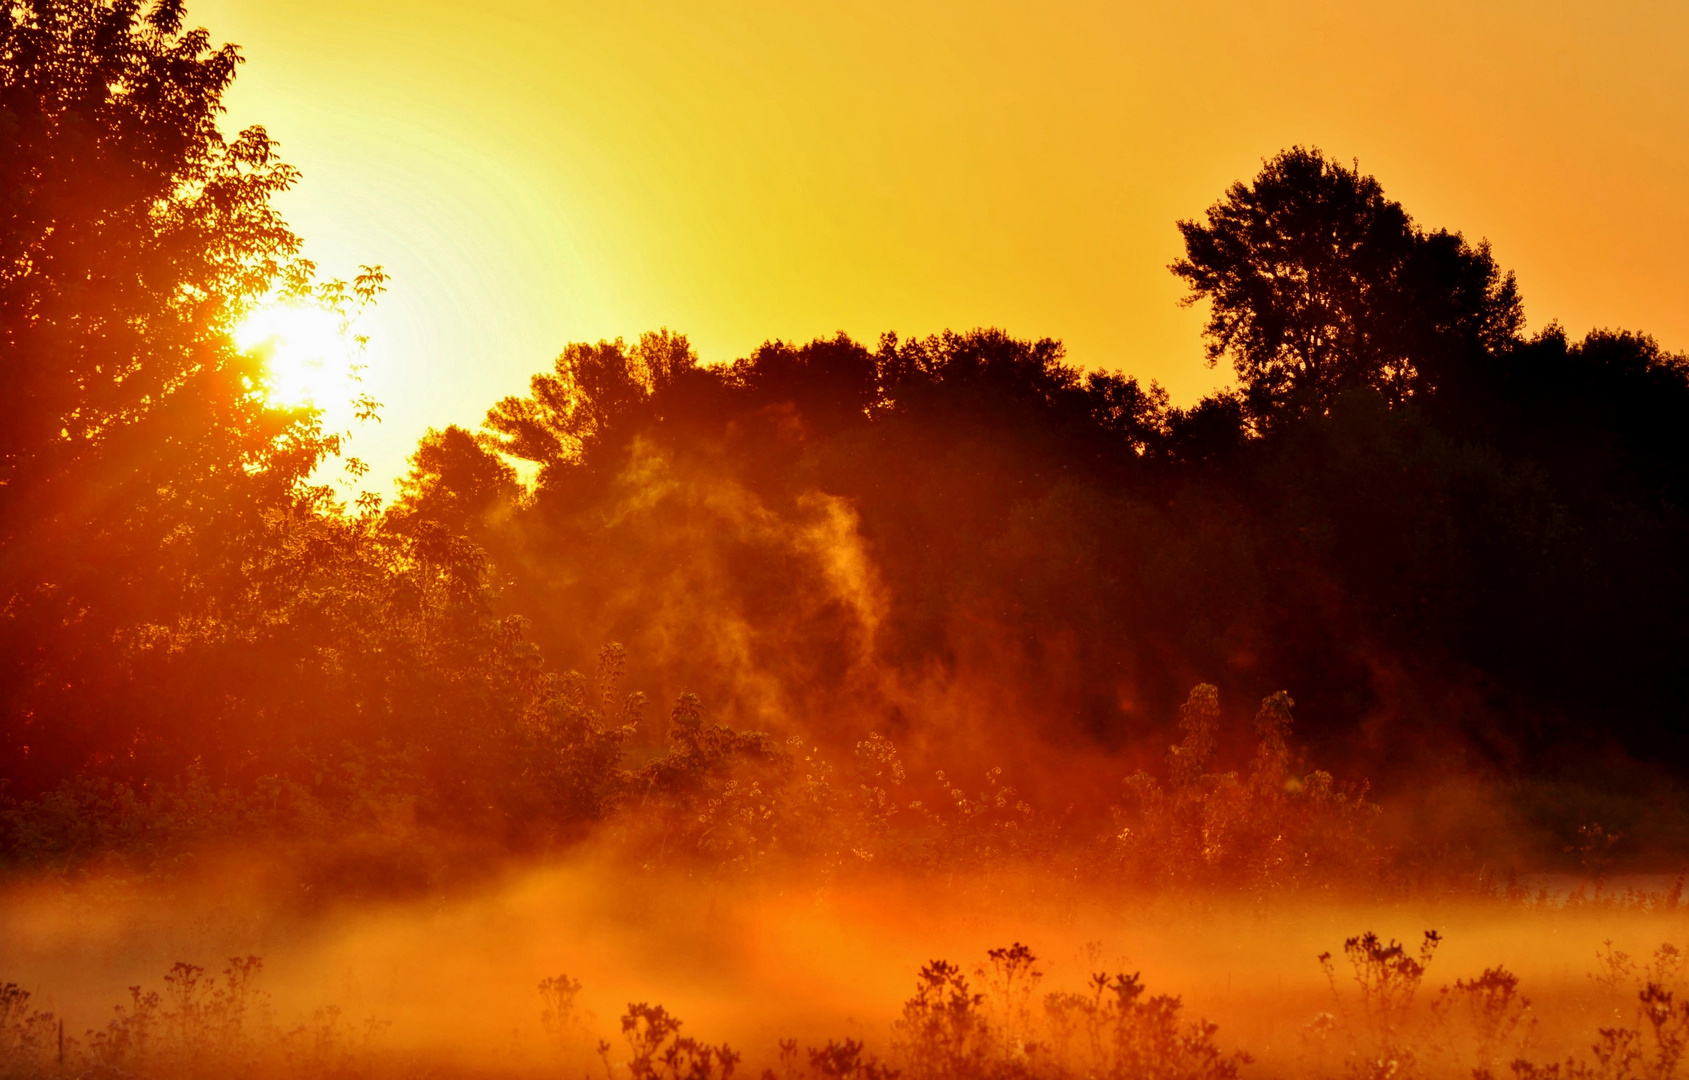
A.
pixel 536 173
pixel 454 980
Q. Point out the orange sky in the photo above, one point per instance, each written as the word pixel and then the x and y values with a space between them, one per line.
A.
pixel 535 173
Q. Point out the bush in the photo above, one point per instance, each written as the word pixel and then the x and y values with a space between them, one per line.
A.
pixel 1267 830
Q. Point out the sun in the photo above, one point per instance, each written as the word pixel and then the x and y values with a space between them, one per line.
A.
pixel 307 352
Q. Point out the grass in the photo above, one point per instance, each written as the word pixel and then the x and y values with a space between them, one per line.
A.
pixel 998 1019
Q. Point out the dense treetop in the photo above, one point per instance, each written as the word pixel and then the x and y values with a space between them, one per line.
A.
pixel 1316 283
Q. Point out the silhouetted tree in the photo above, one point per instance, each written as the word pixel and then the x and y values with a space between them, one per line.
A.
pixel 457 480
pixel 132 234
pixel 137 451
pixel 831 382
pixel 175 590
pixel 590 392
pixel 1316 282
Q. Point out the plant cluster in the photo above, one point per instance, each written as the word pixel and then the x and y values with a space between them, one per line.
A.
pixel 995 1021
pixel 194 1026
pixel 1266 828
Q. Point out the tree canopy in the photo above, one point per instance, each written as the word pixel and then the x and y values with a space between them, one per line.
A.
pixel 1445 537
pixel 1316 283
pixel 174 585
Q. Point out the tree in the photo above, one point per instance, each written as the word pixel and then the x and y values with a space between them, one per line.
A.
pixel 1317 283
pixel 132 236
pixel 590 393
pixel 832 383
pixel 457 480
pixel 139 457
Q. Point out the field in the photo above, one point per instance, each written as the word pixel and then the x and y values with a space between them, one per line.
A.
pixel 525 977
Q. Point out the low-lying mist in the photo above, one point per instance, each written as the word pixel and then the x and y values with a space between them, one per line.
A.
pixel 455 983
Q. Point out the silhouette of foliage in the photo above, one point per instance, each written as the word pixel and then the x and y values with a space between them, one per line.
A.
pixel 1316 283
pixel 890 568
pixel 1271 829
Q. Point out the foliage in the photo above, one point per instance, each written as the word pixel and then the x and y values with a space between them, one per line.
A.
pixel 1388 978
pixel 1454 542
pixel 1316 283
pixel 1060 543
pixel 148 489
pixel 593 391
pixel 657 1050
pixel 1496 1018
pixel 1111 1030
pixel 1269 829
pixel 28 1037
pixel 1655 1042
pixel 996 1024
pixel 1119 1032
pixel 193 1026
pixel 944 1032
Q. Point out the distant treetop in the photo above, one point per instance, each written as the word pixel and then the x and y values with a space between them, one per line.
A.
pixel 1316 283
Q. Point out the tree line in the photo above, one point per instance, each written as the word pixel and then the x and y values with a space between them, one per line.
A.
pixel 1450 539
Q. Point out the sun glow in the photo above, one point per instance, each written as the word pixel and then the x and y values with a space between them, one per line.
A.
pixel 309 354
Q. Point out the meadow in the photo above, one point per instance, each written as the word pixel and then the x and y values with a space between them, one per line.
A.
pixel 1246 923
pixel 569 970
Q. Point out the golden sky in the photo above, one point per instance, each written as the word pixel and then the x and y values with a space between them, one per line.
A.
pixel 537 173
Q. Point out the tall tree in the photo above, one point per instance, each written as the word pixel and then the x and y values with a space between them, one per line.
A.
pixel 137 450
pixel 132 234
pixel 1318 283
pixel 590 395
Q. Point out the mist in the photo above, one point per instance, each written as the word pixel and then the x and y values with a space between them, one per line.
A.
pixel 453 983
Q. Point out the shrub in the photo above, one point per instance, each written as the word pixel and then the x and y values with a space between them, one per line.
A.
pixel 1267 830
